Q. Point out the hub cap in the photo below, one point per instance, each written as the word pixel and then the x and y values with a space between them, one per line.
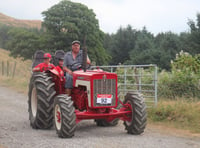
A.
pixel 128 122
pixel 57 117
pixel 34 102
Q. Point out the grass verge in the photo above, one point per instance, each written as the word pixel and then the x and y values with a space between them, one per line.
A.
pixel 179 114
pixel 20 79
pixel 18 84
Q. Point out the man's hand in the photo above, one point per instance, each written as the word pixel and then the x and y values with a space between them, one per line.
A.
pixel 67 70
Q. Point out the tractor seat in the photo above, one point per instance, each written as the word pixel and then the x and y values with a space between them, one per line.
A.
pixel 38 58
pixel 58 54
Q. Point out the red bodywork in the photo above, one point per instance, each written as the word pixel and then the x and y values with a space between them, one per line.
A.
pixel 58 77
pixel 84 99
pixel 89 77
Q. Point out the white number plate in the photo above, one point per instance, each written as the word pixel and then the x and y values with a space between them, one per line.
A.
pixel 104 99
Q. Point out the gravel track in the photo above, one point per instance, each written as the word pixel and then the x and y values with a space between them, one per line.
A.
pixel 15 131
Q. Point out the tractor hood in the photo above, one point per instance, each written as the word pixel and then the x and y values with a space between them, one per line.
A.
pixel 100 85
pixel 93 74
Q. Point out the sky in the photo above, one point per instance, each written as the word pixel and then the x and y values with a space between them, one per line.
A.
pixel 156 15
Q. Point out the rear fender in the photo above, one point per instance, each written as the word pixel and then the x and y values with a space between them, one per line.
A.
pixel 54 71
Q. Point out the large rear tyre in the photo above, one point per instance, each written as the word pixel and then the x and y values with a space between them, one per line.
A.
pixel 40 101
pixel 104 122
pixel 138 119
pixel 64 116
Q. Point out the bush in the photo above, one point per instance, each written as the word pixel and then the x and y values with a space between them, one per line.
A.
pixel 183 81
pixel 177 84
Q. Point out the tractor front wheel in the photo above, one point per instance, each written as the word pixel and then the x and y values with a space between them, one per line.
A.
pixel 64 116
pixel 137 120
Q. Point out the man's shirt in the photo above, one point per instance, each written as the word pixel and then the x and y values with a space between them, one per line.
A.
pixel 72 63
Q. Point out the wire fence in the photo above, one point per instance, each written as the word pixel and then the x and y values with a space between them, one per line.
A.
pixel 8 68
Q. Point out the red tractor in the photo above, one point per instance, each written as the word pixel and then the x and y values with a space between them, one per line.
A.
pixel 94 96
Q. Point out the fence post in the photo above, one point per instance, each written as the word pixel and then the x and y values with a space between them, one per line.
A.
pixel 156 85
pixel 111 69
pixel 2 68
pixel 14 69
pixel 125 72
pixel 140 80
pixel 136 77
pixel 7 68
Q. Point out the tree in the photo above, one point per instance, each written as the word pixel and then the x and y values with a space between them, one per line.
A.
pixel 120 44
pixel 143 51
pixel 68 21
pixel 4 35
pixel 23 42
pixel 192 40
pixel 168 44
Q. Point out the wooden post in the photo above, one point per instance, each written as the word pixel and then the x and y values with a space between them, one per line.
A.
pixel 2 68
pixel 14 69
pixel 7 68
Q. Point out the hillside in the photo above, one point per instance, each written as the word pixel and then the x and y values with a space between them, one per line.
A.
pixel 7 20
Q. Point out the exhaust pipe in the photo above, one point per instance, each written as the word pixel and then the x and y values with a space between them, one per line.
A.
pixel 84 62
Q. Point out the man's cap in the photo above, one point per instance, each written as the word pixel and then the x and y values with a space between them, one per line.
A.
pixel 47 55
pixel 76 41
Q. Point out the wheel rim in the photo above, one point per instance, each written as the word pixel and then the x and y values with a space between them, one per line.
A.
pixel 129 121
pixel 34 102
pixel 57 117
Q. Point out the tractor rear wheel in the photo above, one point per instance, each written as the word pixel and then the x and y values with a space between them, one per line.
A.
pixel 64 116
pixel 138 118
pixel 40 103
pixel 104 122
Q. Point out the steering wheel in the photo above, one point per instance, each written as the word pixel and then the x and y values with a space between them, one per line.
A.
pixel 78 66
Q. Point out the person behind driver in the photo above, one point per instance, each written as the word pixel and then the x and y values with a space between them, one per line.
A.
pixel 72 61
pixel 46 65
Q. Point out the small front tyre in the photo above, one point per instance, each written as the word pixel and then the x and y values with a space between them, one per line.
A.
pixel 137 121
pixel 64 116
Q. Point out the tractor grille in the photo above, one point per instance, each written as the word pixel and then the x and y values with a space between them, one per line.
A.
pixel 104 86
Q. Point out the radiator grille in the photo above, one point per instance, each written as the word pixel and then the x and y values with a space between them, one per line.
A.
pixel 104 86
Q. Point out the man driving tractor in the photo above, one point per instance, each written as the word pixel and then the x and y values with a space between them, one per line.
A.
pixel 72 62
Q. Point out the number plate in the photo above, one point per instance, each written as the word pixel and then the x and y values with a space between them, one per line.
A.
pixel 104 99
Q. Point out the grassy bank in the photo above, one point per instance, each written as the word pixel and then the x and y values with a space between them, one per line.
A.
pixel 179 114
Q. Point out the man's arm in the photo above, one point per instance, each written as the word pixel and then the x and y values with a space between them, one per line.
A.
pixel 65 65
pixel 88 60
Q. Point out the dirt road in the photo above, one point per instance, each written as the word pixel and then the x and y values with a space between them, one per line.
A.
pixel 15 131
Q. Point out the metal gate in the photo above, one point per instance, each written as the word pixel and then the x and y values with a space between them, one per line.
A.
pixel 136 78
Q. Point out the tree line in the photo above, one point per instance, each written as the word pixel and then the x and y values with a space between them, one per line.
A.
pixel 68 21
